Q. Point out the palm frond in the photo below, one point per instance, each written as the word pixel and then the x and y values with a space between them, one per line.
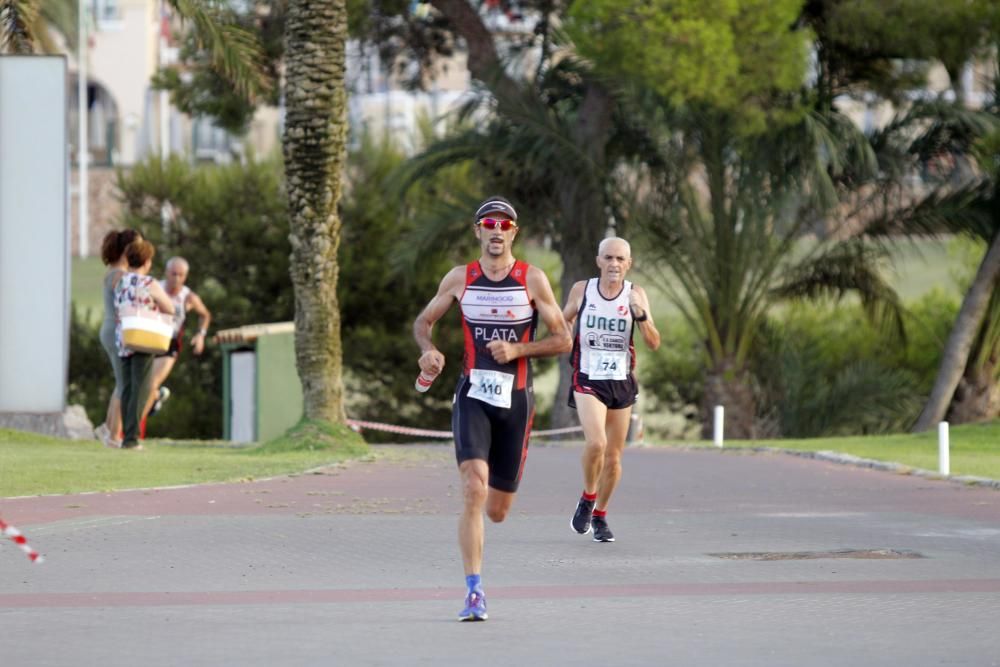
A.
pixel 235 51
pixel 446 152
pixel 847 268
pixel 962 210
pixel 929 128
pixel 60 16
pixel 18 18
pixel 435 226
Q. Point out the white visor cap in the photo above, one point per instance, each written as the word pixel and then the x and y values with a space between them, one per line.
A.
pixel 496 206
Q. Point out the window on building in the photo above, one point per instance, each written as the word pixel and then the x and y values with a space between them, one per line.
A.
pixel 106 10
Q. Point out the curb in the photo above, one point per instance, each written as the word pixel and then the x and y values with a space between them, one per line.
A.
pixel 898 468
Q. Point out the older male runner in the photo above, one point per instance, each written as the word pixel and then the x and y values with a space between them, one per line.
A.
pixel 184 300
pixel 606 311
pixel 501 299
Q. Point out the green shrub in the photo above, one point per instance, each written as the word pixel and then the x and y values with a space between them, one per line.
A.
pixel 671 382
pixel 827 370
pixel 91 379
pixel 380 299
pixel 820 369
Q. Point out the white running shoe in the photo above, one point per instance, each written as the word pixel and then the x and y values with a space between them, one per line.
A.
pixel 161 398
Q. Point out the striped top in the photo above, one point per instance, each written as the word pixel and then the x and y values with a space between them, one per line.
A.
pixel 497 310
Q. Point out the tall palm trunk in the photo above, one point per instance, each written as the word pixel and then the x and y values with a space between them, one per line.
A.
pixel 584 220
pixel 731 387
pixel 314 146
pixel 956 349
pixel 578 253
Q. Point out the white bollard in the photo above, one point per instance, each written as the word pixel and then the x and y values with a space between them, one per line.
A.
pixel 944 453
pixel 717 422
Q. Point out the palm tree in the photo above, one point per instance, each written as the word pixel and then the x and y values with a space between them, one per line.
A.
pixel 23 24
pixel 969 357
pixel 729 216
pixel 314 144
pixel 964 201
pixel 977 396
pixel 973 338
pixel 234 51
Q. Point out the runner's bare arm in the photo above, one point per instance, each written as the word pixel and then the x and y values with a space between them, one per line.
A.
pixel 640 306
pixel 449 291
pixel 573 301
pixel 558 339
pixel 195 303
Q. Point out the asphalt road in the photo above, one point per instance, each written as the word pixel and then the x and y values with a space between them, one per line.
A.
pixel 722 558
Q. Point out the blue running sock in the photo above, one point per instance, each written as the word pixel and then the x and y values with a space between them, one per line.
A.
pixel 474 582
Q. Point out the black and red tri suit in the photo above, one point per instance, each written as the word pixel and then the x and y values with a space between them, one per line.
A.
pixel 494 402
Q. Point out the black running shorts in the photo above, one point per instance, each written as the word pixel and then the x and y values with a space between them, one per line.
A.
pixel 496 435
pixel 173 350
pixel 615 394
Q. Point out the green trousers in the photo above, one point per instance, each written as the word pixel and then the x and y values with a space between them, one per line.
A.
pixel 137 372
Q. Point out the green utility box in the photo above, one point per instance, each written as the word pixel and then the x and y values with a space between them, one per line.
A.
pixel 262 396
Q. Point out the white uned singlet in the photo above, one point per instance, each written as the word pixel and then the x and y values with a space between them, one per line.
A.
pixel 604 349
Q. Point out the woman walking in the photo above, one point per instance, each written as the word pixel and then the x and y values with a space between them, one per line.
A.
pixel 136 290
pixel 113 255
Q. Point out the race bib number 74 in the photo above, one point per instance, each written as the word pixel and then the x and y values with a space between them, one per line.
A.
pixel 491 387
pixel 606 365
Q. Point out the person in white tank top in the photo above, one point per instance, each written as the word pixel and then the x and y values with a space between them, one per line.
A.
pixel 184 300
pixel 604 313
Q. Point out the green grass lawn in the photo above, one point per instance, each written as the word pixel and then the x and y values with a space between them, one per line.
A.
pixel 974 448
pixel 31 464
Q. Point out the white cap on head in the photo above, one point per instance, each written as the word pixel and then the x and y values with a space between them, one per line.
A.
pixel 496 205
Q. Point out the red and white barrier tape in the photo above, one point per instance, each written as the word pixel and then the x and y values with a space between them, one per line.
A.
pixel 15 535
pixel 358 425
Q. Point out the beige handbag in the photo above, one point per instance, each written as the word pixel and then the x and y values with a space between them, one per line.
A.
pixel 146 330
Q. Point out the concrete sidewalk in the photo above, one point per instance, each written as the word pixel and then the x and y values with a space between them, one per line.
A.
pixel 722 558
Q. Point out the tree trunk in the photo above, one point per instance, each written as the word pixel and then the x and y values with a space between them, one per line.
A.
pixel 483 62
pixel 731 388
pixel 977 397
pixel 584 219
pixel 314 146
pixel 578 255
pixel 956 349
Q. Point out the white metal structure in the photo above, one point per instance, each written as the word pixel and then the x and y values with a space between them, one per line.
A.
pixel 34 235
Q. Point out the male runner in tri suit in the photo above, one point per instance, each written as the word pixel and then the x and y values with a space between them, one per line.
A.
pixel 606 310
pixel 500 299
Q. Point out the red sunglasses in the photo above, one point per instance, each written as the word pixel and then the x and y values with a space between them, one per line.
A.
pixel 491 223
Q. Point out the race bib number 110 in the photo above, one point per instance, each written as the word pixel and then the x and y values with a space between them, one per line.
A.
pixel 491 387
